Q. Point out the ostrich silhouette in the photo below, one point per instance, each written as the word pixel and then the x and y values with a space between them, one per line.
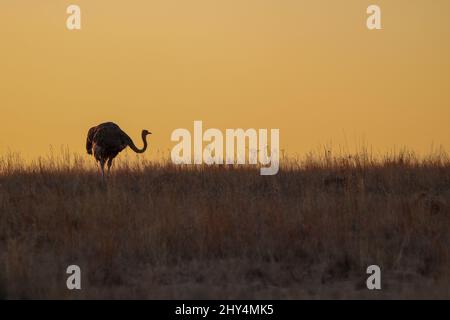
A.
pixel 106 140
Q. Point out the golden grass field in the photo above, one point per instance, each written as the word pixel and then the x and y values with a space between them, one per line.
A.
pixel 160 231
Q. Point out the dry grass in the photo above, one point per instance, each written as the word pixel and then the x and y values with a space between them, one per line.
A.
pixel 155 230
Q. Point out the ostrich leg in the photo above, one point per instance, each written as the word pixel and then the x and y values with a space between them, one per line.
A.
pixel 109 165
pixel 102 167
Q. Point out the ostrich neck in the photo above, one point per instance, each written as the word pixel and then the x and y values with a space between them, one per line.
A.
pixel 135 149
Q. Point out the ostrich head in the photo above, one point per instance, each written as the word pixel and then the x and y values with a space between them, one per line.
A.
pixel 145 133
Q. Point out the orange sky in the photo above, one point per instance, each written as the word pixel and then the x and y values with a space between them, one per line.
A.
pixel 310 68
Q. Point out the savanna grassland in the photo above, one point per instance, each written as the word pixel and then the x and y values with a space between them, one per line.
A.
pixel 160 231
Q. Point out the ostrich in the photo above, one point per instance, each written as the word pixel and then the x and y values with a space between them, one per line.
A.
pixel 106 140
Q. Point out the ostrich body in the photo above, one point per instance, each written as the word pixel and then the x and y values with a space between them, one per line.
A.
pixel 106 140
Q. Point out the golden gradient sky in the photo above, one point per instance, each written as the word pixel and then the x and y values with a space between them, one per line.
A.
pixel 308 67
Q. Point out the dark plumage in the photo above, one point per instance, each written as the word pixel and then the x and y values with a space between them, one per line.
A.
pixel 106 140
